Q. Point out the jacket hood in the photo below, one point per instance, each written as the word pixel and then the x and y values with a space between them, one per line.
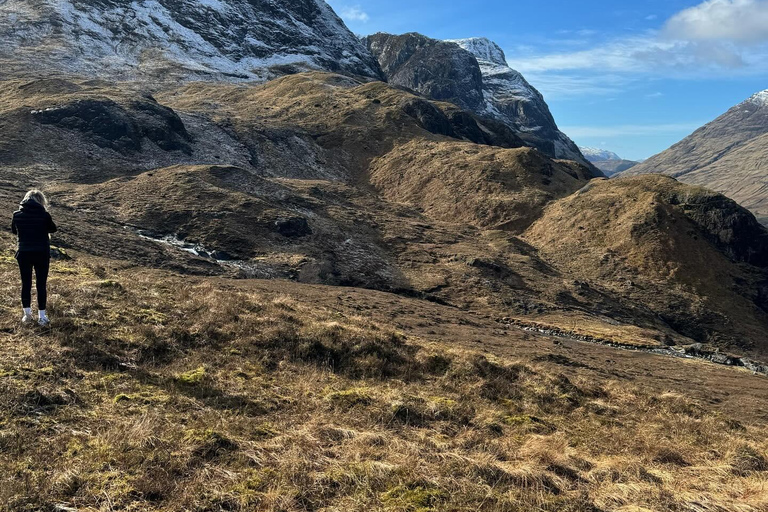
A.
pixel 31 204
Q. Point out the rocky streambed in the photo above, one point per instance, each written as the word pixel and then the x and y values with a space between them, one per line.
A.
pixel 693 351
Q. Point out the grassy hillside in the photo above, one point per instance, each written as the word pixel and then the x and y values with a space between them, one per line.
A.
pixel 680 249
pixel 323 179
pixel 154 391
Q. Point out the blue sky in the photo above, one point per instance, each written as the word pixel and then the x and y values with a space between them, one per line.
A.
pixel 633 77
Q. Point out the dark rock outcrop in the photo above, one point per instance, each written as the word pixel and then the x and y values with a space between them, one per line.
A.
pixel 122 128
pixel 461 124
pixel 436 69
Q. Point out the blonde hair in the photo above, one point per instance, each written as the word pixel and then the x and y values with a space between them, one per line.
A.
pixel 38 196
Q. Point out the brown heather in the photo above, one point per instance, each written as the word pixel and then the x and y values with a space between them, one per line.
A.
pixel 154 391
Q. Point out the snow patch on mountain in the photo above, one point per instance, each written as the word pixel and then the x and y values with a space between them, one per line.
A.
pixel 483 49
pixel 236 39
pixel 760 99
pixel 510 98
pixel 598 155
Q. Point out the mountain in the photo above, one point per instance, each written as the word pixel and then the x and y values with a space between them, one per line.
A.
pixel 729 155
pixel 664 239
pixel 607 161
pixel 598 155
pixel 338 179
pixel 232 39
pixel 326 179
pixel 323 291
pixel 473 74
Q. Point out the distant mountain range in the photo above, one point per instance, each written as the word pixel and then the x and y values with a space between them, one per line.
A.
pixel 607 161
pixel 729 155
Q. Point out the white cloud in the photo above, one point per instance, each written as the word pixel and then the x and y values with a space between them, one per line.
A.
pixel 625 130
pixel 743 21
pixel 714 38
pixel 354 13
pixel 567 85
pixel 651 54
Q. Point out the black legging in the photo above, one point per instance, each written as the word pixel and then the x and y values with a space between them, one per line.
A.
pixel 40 261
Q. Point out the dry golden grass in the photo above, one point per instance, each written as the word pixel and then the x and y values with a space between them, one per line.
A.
pixel 471 184
pixel 156 392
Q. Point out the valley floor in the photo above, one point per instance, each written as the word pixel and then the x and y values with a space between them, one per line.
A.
pixel 155 391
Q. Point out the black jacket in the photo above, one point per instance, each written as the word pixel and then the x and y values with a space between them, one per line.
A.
pixel 33 224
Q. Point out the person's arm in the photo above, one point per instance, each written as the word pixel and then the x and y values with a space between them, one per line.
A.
pixel 51 225
pixel 13 226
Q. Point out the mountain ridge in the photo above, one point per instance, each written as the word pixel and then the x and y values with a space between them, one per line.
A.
pixel 727 154
pixel 607 161
pixel 473 73
pixel 247 40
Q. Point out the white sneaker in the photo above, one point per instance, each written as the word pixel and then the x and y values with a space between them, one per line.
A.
pixel 26 319
pixel 43 321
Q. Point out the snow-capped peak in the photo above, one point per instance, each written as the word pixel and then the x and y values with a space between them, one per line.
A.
pixel 483 49
pixel 598 155
pixel 760 99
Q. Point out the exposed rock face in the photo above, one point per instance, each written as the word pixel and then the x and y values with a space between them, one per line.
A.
pixel 511 99
pixel 729 155
pixel 111 125
pixel 607 161
pixel 436 69
pixel 473 74
pixel 247 39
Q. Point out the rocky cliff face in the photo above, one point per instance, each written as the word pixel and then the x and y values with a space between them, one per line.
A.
pixel 437 69
pixel 473 73
pixel 729 155
pixel 246 39
pixel 511 99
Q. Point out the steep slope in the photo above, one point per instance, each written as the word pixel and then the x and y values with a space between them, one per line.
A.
pixel 510 98
pixel 679 249
pixel 235 39
pixel 473 74
pixel 437 69
pixel 607 161
pixel 729 155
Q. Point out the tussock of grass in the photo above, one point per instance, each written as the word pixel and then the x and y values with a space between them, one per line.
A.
pixel 232 400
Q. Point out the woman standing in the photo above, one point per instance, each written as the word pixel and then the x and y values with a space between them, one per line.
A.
pixel 33 225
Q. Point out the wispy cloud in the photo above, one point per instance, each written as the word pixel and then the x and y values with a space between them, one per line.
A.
pixel 354 13
pixel 712 38
pixel 625 130
pixel 566 85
